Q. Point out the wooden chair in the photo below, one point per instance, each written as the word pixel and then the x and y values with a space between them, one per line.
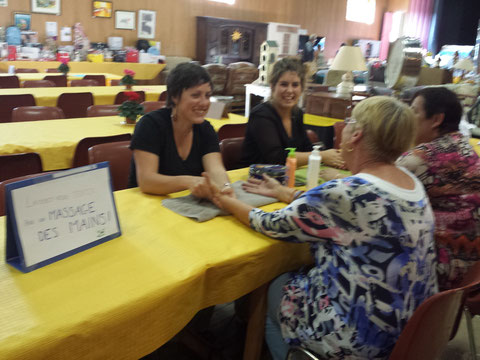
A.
pixel 15 165
pixel 115 82
pixel 312 136
pixel 52 70
pixel 337 137
pixel 80 157
pixel 121 97
pixel 149 106
pixel 33 113
pixel 231 131
pixel 163 96
pixel 9 82
pixel 38 83
pixel 19 71
pixel 119 155
pixel 84 82
pixel 102 110
pixel 9 181
pixel 75 105
pixel 58 80
pixel 10 102
pixel 231 150
pixel 100 79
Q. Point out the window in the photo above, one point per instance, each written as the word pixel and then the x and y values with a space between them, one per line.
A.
pixel 229 2
pixel 361 11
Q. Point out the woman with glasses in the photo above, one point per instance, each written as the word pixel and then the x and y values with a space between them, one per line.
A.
pixel 278 123
pixel 371 235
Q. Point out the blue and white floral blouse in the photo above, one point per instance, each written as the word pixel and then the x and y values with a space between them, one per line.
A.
pixel 374 264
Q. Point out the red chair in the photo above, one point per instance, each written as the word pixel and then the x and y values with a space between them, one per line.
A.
pixel 115 82
pixel 15 165
pixel 231 150
pixel 19 71
pixel 312 136
pixel 119 155
pixel 9 181
pixel 100 79
pixel 33 113
pixel 10 102
pixel 75 105
pixel 231 131
pixel 83 82
pixel 337 137
pixel 38 83
pixel 58 80
pixel 163 96
pixel 80 157
pixel 52 70
pixel 9 82
pixel 121 97
pixel 102 110
pixel 149 106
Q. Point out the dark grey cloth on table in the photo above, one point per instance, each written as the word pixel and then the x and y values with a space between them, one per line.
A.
pixel 203 210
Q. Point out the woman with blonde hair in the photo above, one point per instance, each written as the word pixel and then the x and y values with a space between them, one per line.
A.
pixel 371 235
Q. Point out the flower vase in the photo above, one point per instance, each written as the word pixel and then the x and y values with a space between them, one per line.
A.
pixel 130 120
pixel 128 86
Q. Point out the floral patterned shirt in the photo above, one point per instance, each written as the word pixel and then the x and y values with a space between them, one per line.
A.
pixel 374 264
pixel 449 169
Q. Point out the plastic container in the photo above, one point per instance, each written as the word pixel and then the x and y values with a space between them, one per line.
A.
pixel 291 165
pixel 314 161
pixel 275 171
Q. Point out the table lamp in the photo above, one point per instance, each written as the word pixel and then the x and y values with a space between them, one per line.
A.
pixel 348 58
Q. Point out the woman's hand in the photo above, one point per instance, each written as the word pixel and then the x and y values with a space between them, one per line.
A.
pixel 201 189
pixel 333 157
pixel 268 186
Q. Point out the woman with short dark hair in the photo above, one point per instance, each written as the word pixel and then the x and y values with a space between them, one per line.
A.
pixel 172 146
pixel 449 168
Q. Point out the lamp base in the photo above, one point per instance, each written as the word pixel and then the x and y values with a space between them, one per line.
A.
pixel 345 88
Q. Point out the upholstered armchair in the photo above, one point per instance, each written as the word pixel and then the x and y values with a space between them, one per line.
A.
pixel 239 74
pixel 218 74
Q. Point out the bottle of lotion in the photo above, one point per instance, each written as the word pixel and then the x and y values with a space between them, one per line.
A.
pixel 291 165
pixel 314 161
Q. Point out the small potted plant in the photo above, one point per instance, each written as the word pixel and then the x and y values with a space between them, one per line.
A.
pixel 64 68
pixel 128 79
pixel 131 108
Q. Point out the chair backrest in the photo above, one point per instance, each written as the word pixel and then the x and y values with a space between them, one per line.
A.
pixel 149 106
pixel 32 113
pixel 100 79
pixel 18 71
pixel 52 70
pixel 231 150
pixel 163 96
pixel 9 181
pixel 115 82
pixel 121 97
pixel 312 136
pixel 80 157
pixel 75 105
pixel 239 74
pixel 231 131
pixel 218 74
pixel 337 137
pixel 9 82
pixel 9 102
pixel 58 80
pixel 15 165
pixel 38 83
pixel 102 110
pixel 84 82
pixel 119 155
pixel 428 331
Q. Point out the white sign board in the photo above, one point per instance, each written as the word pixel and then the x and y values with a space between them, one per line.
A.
pixel 57 215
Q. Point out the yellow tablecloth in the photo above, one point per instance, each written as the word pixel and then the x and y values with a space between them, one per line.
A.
pixel 232 119
pixel 316 120
pixel 55 140
pixel 124 298
pixel 142 71
pixel 476 145
pixel 71 76
pixel 103 95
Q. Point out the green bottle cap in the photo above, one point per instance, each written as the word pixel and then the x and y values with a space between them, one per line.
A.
pixel 291 152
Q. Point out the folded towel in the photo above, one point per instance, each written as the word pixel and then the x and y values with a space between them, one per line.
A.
pixel 203 210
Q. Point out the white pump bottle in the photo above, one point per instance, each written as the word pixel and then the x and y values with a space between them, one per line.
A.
pixel 314 161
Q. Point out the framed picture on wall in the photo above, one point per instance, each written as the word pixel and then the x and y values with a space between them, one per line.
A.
pixel 125 20
pixel 146 24
pixel 22 21
pixel 46 6
pixel 102 9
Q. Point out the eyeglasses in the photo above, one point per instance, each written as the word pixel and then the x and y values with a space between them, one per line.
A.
pixel 350 120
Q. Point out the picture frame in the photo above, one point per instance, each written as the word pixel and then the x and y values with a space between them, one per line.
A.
pixel 146 24
pixel 102 9
pixel 46 6
pixel 125 20
pixel 22 20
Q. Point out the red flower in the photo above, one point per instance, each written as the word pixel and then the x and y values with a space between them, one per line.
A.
pixel 132 95
pixel 64 61
pixel 129 72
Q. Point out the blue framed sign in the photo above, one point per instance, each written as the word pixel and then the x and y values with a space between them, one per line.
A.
pixel 54 216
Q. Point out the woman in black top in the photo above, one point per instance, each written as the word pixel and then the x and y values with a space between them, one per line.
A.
pixel 174 145
pixel 278 123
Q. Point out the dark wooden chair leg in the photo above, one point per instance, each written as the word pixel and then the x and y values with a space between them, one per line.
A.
pixel 256 323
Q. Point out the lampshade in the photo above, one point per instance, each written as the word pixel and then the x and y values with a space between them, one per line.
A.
pixel 464 64
pixel 349 58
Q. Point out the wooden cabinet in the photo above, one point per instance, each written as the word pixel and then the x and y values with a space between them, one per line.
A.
pixel 231 39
